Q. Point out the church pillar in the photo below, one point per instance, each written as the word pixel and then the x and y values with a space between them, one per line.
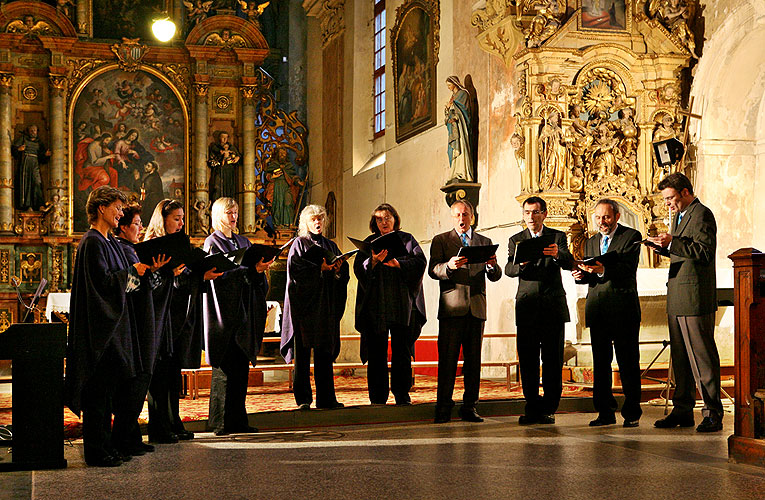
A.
pixel 6 162
pixel 249 195
pixel 201 132
pixel 83 18
pixel 57 125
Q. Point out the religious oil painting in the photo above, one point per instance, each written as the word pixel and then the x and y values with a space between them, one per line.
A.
pixel 31 267
pixel 114 19
pixel 604 15
pixel 415 54
pixel 129 132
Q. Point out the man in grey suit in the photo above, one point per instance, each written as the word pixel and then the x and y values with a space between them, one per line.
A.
pixel 691 305
pixel 612 313
pixel 461 311
pixel 540 313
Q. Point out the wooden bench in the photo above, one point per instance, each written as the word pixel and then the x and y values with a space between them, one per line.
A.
pixel 191 376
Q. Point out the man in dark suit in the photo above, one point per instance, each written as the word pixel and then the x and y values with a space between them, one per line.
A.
pixel 612 313
pixel 461 311
pixel 540 313
pixel 691 305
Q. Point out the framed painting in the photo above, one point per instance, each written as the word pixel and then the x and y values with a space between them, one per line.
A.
pixel 415 42
pixel 605 15
pixel 129 131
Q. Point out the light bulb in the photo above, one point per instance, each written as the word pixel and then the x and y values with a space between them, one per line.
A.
pixel 163 29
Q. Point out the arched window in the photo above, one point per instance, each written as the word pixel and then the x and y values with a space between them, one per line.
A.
pixel 379 68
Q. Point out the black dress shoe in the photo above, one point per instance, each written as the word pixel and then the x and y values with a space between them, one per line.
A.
pixel 168 438
pixel 546 419
pixel 221 432
pixel 131 451
pixel 125 457
pixel 631 423
pixel 603 420
pixel 104 461
pixel 672 420
pixel 442 417
pixel 470 415
pixel 331 406
pixel 304 406
pixel 184 435
pixel 710 424
pixel 146 447
pixel 528 419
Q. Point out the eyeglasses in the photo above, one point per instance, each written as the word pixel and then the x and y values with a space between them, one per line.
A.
pixel 533 212
pixel 386 218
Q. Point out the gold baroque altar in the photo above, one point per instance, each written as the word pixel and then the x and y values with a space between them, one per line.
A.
pixel 597 85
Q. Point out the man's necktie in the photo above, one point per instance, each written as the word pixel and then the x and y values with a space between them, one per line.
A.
pixel 465 242
pixel 604 245
pixel 679 218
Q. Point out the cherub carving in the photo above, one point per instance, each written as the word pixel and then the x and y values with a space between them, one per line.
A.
pixel 28 26
pixel 198 10
pixel 225 40
pixel 253 11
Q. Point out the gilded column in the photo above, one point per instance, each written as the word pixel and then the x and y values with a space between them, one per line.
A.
pixel 83 18
pixel 6 161
pixel 201 132
pixel 248 176
pixel 57 146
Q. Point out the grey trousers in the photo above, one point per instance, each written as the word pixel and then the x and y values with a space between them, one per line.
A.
pixel 695 358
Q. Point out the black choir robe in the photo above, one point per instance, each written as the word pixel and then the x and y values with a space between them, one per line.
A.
pixel 313 298
pixel 101 317
pixel 184 320
pixel 382 288
pixel 233 305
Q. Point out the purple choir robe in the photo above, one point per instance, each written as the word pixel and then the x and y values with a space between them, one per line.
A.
pixel 314 301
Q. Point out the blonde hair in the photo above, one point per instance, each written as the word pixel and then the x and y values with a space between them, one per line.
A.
pixel 309 213
pixel 218 213
pixel 156 226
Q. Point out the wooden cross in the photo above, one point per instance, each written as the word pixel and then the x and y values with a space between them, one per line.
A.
pixel 690 114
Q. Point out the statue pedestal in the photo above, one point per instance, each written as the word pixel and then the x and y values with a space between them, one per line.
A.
pixel 462 191
pixel 29 224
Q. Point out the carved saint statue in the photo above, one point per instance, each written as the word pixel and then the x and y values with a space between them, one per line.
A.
pixel 30 152
pixel 459 123
pixel 545 23
pixel 552 154
pixel 603 151
pixel 518 143
pixel 675 16
pixel 223 159
pixel 282 188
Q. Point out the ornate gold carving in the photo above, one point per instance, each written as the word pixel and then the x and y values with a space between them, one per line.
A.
pixel 78 69
pixel 548 18
pixel 6 183
pixel 223 102
pixel 29 93
pixel 30 26
pixel 56 268
pixel 200 89
pixel 6 80
pixel 129 53
pixel 226 39
pixel 57 84
pixel 179 74
pixel 201 186
pixel 6 319
pixel 332 20
pixel 675 16
pixel 248 92
pixel 494 12
pixel 5 266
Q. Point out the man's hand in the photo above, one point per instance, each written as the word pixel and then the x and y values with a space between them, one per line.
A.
pixel 596 269
pixel 141 268
pixel 492 261
pixel 325 266
pixel 663 240
pixel 456 262
pixel 212 274
pixel 552 251
pixel 577 274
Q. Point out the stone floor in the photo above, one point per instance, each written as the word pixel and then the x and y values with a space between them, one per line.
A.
pixel 495 459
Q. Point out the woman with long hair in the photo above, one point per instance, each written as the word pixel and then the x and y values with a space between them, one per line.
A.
pixel 389 299
pixel 234 317
pixel 314 303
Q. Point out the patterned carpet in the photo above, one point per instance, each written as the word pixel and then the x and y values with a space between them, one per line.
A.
pixel 351 391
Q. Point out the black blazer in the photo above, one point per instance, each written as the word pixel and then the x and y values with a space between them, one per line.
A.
pixel 540 294
pixel 692 285
pixel 463 290
pixel 614 297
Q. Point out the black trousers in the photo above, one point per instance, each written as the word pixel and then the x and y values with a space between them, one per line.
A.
pixel 322 371
pixel 228 391
pixel 400 365
pixel 547 339
pixel 128 403
pixel 464 332
pixel 160 416
pixel 97 396
pixel 624 338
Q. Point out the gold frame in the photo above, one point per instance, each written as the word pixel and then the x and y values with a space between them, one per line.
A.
pixel 628 8
pixel 70 109
pixel 432 9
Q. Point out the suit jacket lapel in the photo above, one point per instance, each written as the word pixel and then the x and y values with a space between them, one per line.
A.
pixel 688 214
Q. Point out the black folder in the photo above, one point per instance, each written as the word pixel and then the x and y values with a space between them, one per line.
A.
pixel 531 249
pixel 221 262
pixel 391 242
pixel 478 254
pixel 653 246
pixel 606 259
pixel 177 246
pixel 257 252
pixel 316 254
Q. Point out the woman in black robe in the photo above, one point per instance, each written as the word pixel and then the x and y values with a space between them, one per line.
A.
pixel 314 303
pixel 234 317
pixel 102 349
pixel 389 298
pixel 179 342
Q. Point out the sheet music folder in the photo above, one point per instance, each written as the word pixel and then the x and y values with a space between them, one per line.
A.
pixel 257 252
pixel 606 259
pixel 478 254
pixel 391 242
pixel 177 246
pixel 531 249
